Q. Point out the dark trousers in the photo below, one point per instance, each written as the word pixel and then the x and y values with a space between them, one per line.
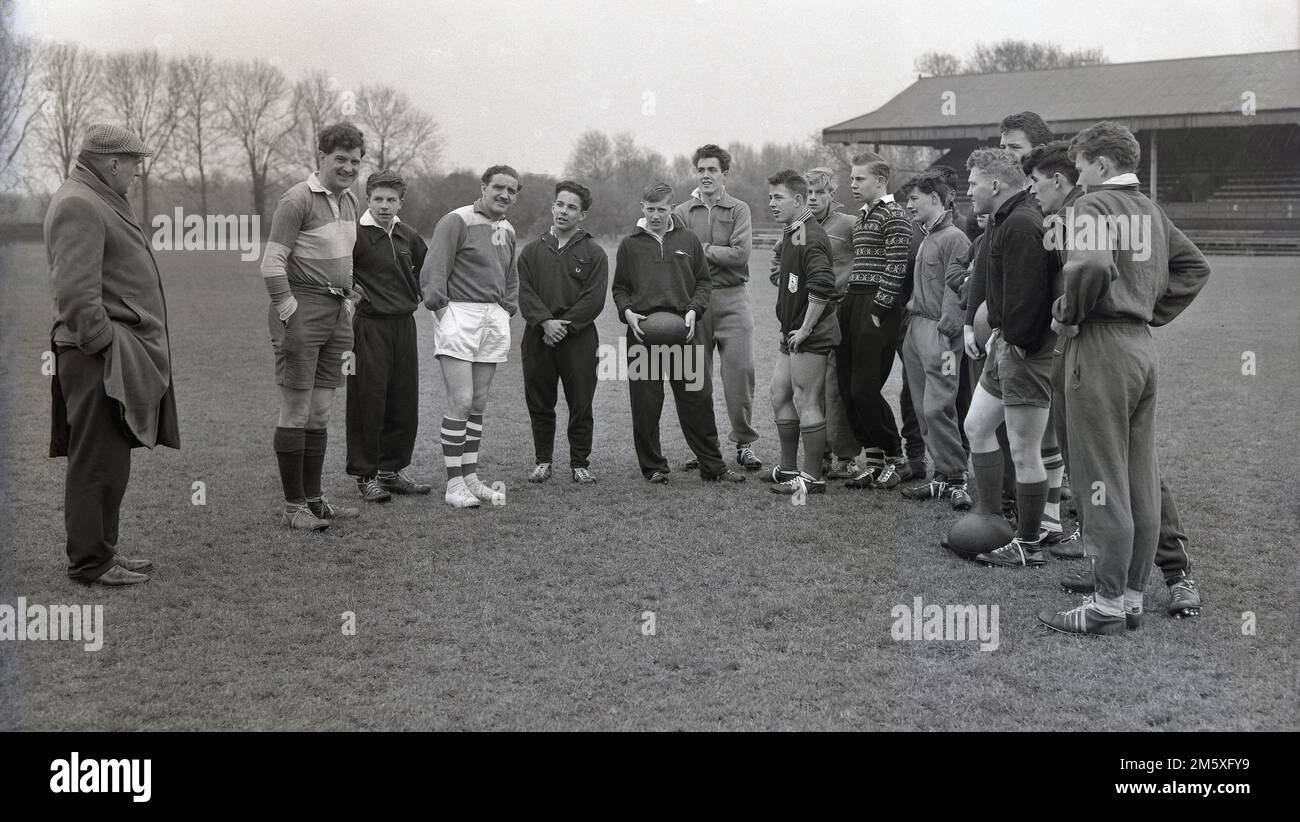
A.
pixel 864 359
pixel 694 413
pixel 571 362
pixel 99 465
pixel 383 395
pixel 965 388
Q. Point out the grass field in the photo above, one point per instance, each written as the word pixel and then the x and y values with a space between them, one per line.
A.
pixel 526 616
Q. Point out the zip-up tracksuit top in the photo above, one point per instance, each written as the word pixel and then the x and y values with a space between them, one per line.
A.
pixel 652 276
pixel 563 283
pixel 805 274
pixel 1110 285
pixel 471 259
pixel 942 247
pixel 386 269
pixel 727 229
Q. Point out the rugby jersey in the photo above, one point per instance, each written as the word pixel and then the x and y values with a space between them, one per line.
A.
pixel 310 247
pixel 471 259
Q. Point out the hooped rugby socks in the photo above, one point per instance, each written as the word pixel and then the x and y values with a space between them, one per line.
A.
pixel 987 479
pixel 453 446
pixel 1055 473
pixel 469 459
pixel 787 431
pixel 288 445
pixel 313 460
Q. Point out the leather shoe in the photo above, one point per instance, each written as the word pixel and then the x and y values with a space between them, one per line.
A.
pixel 138 566
pixel 117 576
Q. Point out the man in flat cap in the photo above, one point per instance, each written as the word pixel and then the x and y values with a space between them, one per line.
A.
pixel 113 388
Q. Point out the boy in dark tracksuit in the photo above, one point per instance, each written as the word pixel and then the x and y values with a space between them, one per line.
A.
pixel 562 280
pixel 1133 270
pixel 384 390
pixel 805 308
pixel 661 267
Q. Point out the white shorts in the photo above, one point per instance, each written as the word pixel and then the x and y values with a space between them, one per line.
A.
pixel 474 332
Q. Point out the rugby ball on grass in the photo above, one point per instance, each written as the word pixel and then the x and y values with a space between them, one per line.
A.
pixel 663 328
pixel 976 534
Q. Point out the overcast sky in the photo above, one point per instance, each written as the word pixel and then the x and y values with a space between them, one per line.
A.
pixel 517 81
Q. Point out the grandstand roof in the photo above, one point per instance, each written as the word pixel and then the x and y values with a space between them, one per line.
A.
pixel 1195 92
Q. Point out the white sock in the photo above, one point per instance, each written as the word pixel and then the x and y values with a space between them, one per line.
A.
pixel 1110 606
pixel 1132 601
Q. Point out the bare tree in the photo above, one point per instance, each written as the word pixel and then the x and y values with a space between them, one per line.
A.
pixel 69 88
pixel 19 66
pixel 316 104
pixel 143 93
pixel 1022 55
pixel 258 119
pixel 592 157
pixel 937 64
pixel 198 135
pixel 397 133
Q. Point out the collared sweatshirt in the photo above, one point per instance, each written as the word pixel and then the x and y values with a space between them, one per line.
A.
pixel 563 283
pixel 386 268
pixel 805 273
pixel 471 259
pixel 1111 283
pixel 726 232
pixel 661 275
pixel 1021 274
pixel 941 248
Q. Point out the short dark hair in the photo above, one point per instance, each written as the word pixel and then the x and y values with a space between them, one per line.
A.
pixel 949 177
pixel 583 193
pixel 875 164
pixel 656 191
pixel 1050 159
pixel 792 180
pixel 1107 139
pixel 1031 124
pixel 716 152
pixel 386 179
pixel 931 181
pixel 341 135
pixel 500 169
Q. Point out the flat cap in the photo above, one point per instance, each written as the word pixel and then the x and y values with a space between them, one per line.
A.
pixel 107 138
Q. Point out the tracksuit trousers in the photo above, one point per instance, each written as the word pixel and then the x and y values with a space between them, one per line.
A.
pixel 383 410
pixel 572 363
pixel 932 363
pixel 864 359
pixel 694 414
pixel 1110 373
pixel 728 325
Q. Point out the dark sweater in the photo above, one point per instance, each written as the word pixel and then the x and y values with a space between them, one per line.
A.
pixel 805 272
pixel 386 269
pixel 882 240
pixel 1021 274
pixel 672 276
pixel 563 283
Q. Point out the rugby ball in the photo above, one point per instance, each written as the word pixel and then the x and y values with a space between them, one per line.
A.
pixel 663 328
pixel 982 329
pixel 977 533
